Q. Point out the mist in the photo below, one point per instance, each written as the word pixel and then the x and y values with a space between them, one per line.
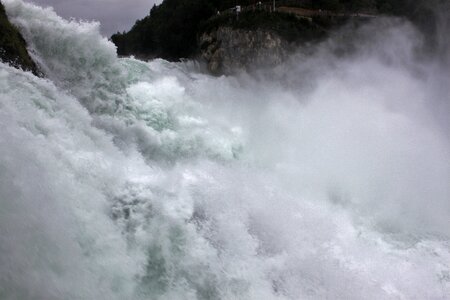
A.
pixel 325 177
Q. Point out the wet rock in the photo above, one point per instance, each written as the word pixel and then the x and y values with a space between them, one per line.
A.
pixel 13 48
pixel 227 50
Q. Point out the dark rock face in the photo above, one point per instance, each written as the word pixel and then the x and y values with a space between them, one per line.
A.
pixel 13 48
pixel 227 50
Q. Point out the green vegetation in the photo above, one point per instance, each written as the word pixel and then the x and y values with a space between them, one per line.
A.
pixel 12 45
pixel 171 29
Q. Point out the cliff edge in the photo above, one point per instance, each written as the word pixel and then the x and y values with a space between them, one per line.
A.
pixel 255 39
pixel 236 35
pixel 226 49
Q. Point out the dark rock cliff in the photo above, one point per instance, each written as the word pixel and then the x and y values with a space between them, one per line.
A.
pixel 212 30
pixel 226 49
pixel 13 48
pixel 258 39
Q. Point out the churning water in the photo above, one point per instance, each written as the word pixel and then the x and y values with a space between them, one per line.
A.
pixel 325 178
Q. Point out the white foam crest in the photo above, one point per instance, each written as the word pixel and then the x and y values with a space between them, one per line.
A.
pixel 79 60
pixel 71 53
pixel 57 240
pixel 121 179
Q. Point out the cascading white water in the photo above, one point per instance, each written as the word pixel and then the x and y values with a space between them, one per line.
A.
pixel 326 178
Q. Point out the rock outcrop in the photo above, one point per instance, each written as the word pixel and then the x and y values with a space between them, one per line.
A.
pixel 227 49
pixel 13 48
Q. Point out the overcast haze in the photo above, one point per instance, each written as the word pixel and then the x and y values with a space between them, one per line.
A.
pixel 114 15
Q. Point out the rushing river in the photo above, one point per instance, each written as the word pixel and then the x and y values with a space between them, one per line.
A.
pixel 327 177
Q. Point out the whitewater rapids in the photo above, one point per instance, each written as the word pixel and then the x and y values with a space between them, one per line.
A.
pixel 326 178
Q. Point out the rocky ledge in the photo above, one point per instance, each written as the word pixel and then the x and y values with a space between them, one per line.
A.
pixel 227 49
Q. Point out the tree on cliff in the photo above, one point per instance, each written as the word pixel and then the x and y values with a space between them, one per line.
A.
pixel 169 31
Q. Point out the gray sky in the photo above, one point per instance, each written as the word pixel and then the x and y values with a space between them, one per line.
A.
pixel 114 15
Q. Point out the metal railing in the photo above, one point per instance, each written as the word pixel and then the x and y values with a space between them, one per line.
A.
pixel 298 7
